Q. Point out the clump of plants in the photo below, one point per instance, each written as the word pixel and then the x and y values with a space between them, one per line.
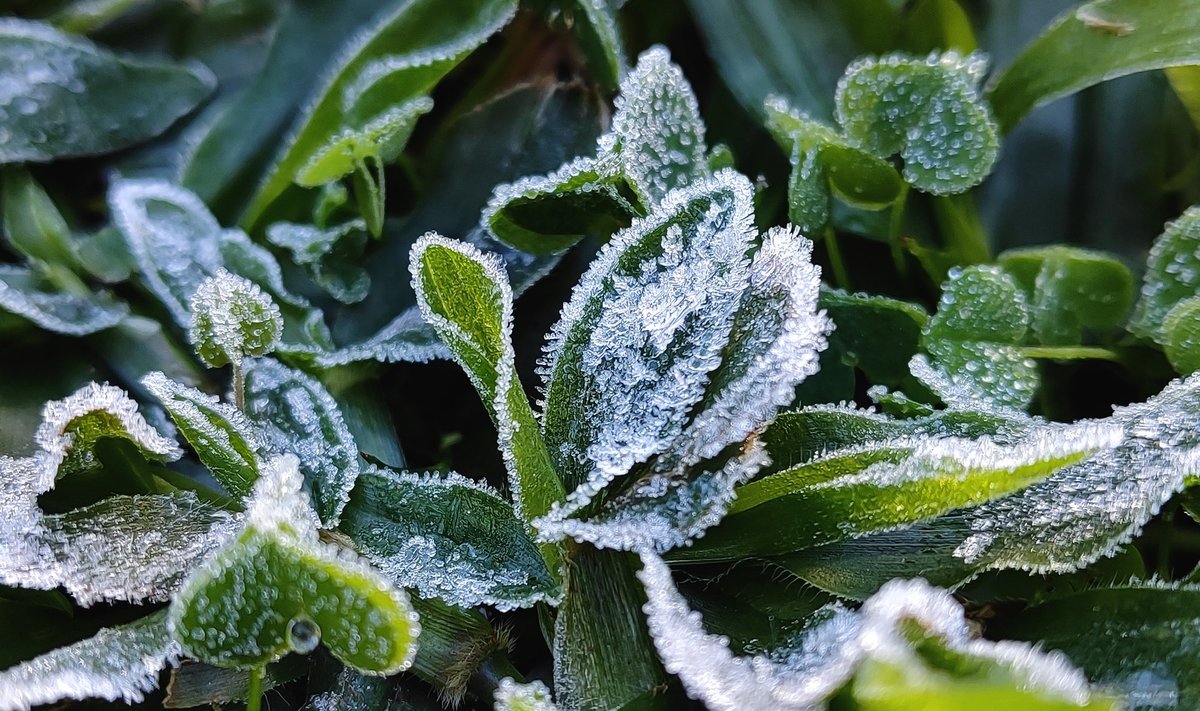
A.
pixel 806 361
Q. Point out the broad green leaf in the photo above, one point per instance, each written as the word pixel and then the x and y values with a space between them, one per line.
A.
pixel 277 589
pixel 297 414
pixel 32 224
pixel 105 255
pixel 928 111
pixel 600 37
pixel 117 664
pixel 466 297
pixel 911 641
pixel 890 484
pixel 878 335
pixel 1181 336
pixel 329 256
pixel 395 61
pixel 1172 275
pixel 658 130
pixel 1137 639
pixel 973 342
pixel 447 537
pixel 1095 42
pixel 533 696
pixel 642 331
pixel 65 97
pixel 232 319
pixel 222 437
pixel 1069 290
pixel 25 294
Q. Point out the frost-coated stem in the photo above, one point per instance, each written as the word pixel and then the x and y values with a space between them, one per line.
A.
pixel 254 691
pixel 239 384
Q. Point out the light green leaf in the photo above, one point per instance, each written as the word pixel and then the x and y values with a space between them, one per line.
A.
pixel 32 224
pixel 277 589
pixel 447 537
pixel 465 295
pixel 1186 83
pixel 1095 42
pixel 1172 274
pixel 600 37
pixel 394 62
pixel 297 414
pixel 222 437
pixel 1181 336
pixel 23 293
pixel 66 97
pixel 380 139
pixel 330 256
pixel 928 111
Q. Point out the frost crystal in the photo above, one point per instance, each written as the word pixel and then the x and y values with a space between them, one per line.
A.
pixel 69 314
pixel 232 318
pixel 826 656
pixel 117 664
pixel 534 696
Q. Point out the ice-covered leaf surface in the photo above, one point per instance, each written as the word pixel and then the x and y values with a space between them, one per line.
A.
pixel 1181 336
pixel 276 588
pixel 223 438
pixel 72 314
pixel 446 537
pixel 973 342
pixel 465 295
pixel 117 664
pixel 1172 274
pixel 297 415
pixel 927 110
pixel 231 319
pixel 877 334
pixel 514 696
pixel 379 139
pixel 56 84
pixel 634 347
pixel 909 641
pixel 330 256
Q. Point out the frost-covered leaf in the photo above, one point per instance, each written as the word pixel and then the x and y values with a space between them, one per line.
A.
pixel 1069 290
pixel 892 483
pixel 222 437
pixel 330 256
pixel 658 130
pixel 26 295
pixel 973 342
pixel 349 690
pixel 298 415
pixel 63 96
pixel 1095 42
pixel 380 139
pixel 1181 336
pixel 466 297
pixel 277 589
pixel 513 696
pixel 927 110
pixel 910 641
pixel 447 537
pixel 231 319
pixel 406 338
pixel 643 330
pixel 455 643
pixel 117 664
pixel 877 335
pixel 395 61
pixel 600 37
pixel 1172 274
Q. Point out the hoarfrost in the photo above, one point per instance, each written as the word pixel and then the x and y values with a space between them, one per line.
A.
pixel 232 318
pixel 533 696
pixel 66 313
pixel 1172 274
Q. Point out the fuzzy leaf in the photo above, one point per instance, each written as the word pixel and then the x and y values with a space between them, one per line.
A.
pixel 277 589
pixel 928 111
pixel 1172 274
pixel 23 294
pixel 297 414
pixel 66 97
pixel 1095 42
pixel 449 537
pixel 329 256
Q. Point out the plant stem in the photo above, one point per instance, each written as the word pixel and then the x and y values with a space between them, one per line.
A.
pixel 1070 353
pixel 895 225
pixel 254 691
pixel 840 276
pixel 239 384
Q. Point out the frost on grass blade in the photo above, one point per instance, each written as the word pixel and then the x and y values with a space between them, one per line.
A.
pixel 330 256
pixel 231 319
pixel 70 314
pixel 533 696
pixel 447 537
pixel 380 139
pixel 276 588
pixel 298 415
pixel 465 295
pixel 647 324
pixel 973 342
pixel 223 438
pixel 660 137
pixel 117 664
pixel 927 110
pixel 919 634
pixel 1172 275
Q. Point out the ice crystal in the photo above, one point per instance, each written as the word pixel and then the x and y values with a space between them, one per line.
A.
pixel 60 312
pixel 232 318
pixel 532 696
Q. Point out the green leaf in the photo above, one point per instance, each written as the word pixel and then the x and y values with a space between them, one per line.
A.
pixel 380 139
pixel 194 684
pixel 329 256
pixel 1186 83
pixel 1172 275
pixel 600 37
pixel 25 294
pixel 232 319
pixel 466 297
pixel 297 414
pixel 396 61
pixel 72 98
pixel 973 342
pixel 447 537
pixel 222 437
pixel 931 25
pixel 455 643
pixel 928 111
pixel 1137 639
pixel 1069 290
pixel 32 224
pixel 1095 42
pixel 277 589
pixel 117 664
pixel 1181 336
pixel 878 335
